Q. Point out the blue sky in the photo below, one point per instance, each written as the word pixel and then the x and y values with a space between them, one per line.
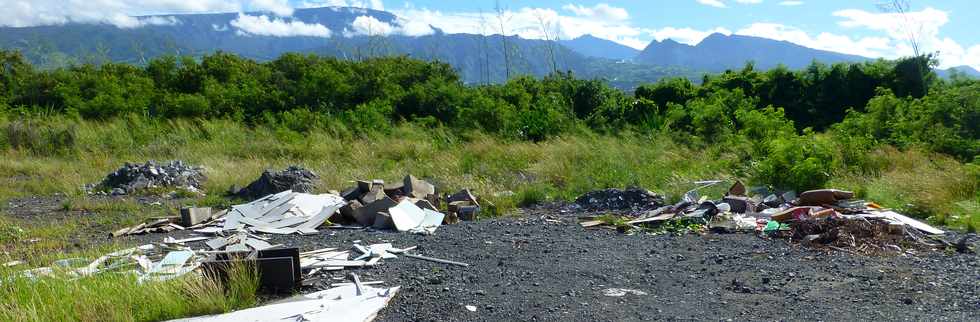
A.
pixel 855 27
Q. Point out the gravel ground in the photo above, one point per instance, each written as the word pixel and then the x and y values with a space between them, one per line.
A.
pixel 542 266
pixel 546 268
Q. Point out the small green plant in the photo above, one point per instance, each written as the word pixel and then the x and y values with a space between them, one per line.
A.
pixel 678 227
pixel 9 232
pixel 530 195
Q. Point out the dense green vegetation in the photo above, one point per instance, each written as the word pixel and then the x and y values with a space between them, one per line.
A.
pixel 767 112
pixel 788 129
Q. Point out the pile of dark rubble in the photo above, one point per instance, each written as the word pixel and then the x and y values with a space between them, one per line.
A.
pixel 133 177
pixel 819 218
pixel 293 178
pixel 632 199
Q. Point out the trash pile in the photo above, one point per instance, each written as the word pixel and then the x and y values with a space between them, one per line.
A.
pixel 825 217
pixel 293 178
pixel 151 262
pixel 132 178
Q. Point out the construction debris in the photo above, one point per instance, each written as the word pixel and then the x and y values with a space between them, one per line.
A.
pixel 293 178
pixel 353 302
pixel 149 262
pixel 817 217
pixel 132 178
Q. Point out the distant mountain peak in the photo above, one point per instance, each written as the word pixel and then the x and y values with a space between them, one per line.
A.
pixel 719 52
pixel 592 46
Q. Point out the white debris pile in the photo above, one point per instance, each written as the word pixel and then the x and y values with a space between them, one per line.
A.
pixel 150 262
pixel 358 256
pixel 351 302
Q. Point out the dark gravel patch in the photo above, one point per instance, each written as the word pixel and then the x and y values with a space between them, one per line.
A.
pixel 534 269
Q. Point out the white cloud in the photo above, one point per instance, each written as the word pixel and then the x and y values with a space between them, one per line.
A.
pixel 367 4
pixel 278 7
pixel 120 13
pixel 791 3
pixel 159 21
pixel 721 3
pixel 866 46
pixel 599 11
pixel 530 23
pixel 414 28
pixel 277 27
pixel 685 35
pixel 713 3
pixel 923 25
pixel 369 26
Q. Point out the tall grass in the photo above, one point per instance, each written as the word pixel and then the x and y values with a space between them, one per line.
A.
pixel 120 297
pixel 922 183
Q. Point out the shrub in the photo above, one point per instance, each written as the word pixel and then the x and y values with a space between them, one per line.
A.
pixel 798 162
pixel 42 138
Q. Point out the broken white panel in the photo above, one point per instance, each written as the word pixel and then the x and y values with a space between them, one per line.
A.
pixel 313 204
pixel 232 220
pixel 336 304
pixel 209 230
pixel 254 222
pixel 270 230
pixel 381 250
pixel 406 215
pixel 913 223
pixel 322 217
pixel 172 261
pixel 433 219
pixel 288 222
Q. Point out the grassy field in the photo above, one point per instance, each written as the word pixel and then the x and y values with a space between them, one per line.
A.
pixel 508 173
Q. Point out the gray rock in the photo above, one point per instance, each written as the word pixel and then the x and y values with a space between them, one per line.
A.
pixel 292 178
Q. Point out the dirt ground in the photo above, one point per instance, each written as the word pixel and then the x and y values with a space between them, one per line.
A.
pixel 542 266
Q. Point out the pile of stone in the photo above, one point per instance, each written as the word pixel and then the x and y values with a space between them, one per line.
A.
pixel 293 178
pixel 132 177
pixel 631 199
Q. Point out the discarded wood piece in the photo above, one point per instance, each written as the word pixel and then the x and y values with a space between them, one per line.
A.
pixel 437 260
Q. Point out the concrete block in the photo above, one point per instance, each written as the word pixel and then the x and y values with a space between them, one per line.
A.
pixel 365 215
pixel 416 188
pixel 383 221
pixel 193 216
pixel 348 211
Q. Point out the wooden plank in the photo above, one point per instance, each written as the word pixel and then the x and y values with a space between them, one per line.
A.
pixel 591 223
pixel 661 217
pixel 914 223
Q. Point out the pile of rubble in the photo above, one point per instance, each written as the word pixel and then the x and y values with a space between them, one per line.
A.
pixel 132 178
pixel 408 205
pixel 631 199
pixel 293 178
pixel 825 217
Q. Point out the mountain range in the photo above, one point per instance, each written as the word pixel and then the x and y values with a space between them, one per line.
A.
pixel 478 58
